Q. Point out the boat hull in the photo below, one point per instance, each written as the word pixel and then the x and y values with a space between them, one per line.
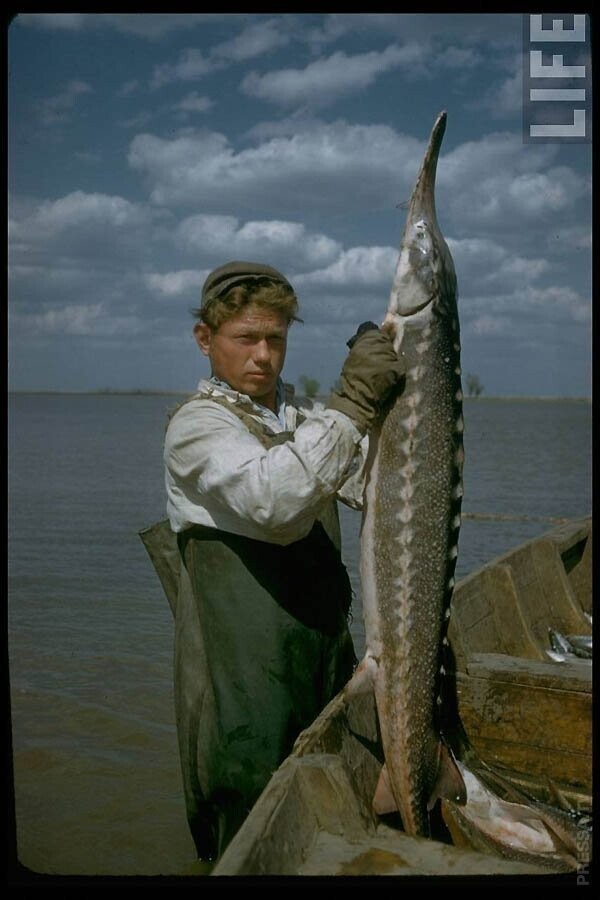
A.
pixel 526 714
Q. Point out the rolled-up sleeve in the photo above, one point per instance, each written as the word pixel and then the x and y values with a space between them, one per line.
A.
pixel 219 474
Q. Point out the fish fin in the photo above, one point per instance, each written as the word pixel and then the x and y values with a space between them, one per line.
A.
pixel 384 801
pixel 449 783
pixel 362 679
pixel 526 808
pixel 494 779
pixel 558 796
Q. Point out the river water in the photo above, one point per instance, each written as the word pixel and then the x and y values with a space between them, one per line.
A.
pixel 96 773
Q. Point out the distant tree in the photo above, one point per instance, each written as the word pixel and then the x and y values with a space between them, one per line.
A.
pixel 474 386
pixel 310 386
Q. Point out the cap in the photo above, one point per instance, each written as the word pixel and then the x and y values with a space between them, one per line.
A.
pixel 220 280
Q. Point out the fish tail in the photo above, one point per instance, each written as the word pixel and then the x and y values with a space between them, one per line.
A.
pixel 449 783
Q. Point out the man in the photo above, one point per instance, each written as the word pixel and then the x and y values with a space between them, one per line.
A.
pixel 262 641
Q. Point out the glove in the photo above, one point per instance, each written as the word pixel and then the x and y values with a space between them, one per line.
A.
pixel 369 376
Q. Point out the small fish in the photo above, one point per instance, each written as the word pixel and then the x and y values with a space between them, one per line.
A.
pixel 581 644
pixel 566 825
pixel 557 657
pixel 558 642
pixel 509 829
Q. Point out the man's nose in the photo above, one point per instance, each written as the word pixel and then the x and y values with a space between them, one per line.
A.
pixel 261 351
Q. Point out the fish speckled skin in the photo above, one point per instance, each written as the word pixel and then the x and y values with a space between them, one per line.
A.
pixel 411 518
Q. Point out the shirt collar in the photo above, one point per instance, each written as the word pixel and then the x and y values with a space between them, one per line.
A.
pixel 280 397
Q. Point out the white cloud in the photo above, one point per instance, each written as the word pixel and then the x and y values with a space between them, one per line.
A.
pixel 482 262
pixel 194 103
pixel 79 209
pixel 332 27
pixel 479 254
pixel 139 120
pixel 485 186
pixel 155 25
pixel 494 152
pixel 500 28
pixel 190 105
pixel 88 156
pixel 285 243
pixel 282 126
pixel 57 108
pixel 566 238
pixel 496 183
pixel 492 326
pixel 534 192
pixel 336 166
pixel 174 284
pixel 325 80
pixel 150 26
pixel 254 40
pixel 457 58
pixel 508 98
pixel 80 230
pixel 503 98
pixel 58 21
pixel 356 268
pixel 80 319
pixel 527 305
pixel 192 64
pixel 132 86
pixel 519 269
pixel 559 302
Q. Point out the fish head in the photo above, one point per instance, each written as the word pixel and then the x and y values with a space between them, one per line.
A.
pixel 424 286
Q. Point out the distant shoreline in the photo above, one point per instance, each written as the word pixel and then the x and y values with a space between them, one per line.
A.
pixel 110 392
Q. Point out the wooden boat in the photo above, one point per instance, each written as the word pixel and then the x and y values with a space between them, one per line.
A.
pixel 520 709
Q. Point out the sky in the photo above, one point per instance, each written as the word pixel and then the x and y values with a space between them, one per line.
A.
pixel 147 149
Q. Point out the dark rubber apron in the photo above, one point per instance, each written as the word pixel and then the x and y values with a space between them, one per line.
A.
pixel 261 645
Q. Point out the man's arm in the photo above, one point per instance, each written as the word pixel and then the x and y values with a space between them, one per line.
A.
pixel 352 489
pixel 217 465
pixel 214 463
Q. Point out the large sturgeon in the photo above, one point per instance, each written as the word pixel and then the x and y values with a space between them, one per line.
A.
pixel 411 515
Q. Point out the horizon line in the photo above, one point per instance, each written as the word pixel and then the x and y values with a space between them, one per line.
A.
pixel 162 391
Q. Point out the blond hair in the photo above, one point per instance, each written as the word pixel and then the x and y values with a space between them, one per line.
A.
pixel 266 294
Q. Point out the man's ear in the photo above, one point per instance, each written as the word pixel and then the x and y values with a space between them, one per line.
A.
pixel 202 333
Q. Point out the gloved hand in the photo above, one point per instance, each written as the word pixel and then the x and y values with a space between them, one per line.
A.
pixel 369 375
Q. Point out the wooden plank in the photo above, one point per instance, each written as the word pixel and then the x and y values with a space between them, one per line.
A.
pixel 487 614
pixel 570 534
pixel 572 675
pixel 307 822
pixel 534 730
pixel 509 604
pixel 577 560
pixel 553 604
pixel 393 853
pixel 524 714
pixel 305 795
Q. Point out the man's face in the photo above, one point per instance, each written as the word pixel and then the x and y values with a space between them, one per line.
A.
pixel 247 351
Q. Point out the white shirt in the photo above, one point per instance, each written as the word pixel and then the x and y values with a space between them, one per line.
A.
pixel 220 475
